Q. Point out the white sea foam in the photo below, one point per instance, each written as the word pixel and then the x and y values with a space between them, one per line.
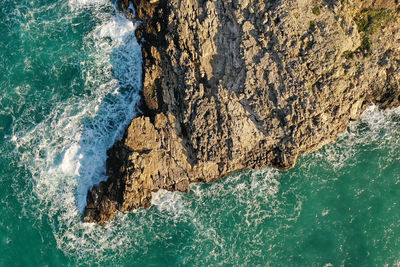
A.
pixel 170 202
pixel 66 152
pixel 375 126
pixel 86 4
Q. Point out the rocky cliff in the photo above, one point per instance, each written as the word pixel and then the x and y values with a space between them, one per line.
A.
pixel 237 84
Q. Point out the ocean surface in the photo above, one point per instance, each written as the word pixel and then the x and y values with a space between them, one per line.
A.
pixel 70 73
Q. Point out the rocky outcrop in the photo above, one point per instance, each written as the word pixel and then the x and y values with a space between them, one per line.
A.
pixel 237 84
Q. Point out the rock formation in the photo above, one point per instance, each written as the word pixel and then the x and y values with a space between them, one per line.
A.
pixel 234 84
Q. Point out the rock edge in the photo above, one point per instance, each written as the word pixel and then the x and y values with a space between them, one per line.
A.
pixel 236 84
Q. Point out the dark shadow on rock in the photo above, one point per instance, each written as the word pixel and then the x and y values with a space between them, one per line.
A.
pixel 233 64
pixel 235 71
pixel 114 114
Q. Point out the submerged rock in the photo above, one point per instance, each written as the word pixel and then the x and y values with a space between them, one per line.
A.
pixel 236 84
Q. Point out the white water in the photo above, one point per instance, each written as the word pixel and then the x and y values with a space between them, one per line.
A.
pixel 66 153
pixel 375 125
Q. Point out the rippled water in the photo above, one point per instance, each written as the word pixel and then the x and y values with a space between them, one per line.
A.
pixel 70 78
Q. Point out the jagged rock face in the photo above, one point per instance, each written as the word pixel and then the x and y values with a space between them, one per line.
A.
pixel 237 84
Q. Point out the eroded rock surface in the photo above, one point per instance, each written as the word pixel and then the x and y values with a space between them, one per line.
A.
pixel 237 84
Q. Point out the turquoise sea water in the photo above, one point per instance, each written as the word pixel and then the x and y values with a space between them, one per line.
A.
pixel 70 75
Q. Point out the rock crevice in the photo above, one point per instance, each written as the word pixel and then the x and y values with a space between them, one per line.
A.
pixel 237 84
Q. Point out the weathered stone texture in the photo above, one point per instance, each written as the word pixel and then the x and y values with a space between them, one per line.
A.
pixel 237 84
